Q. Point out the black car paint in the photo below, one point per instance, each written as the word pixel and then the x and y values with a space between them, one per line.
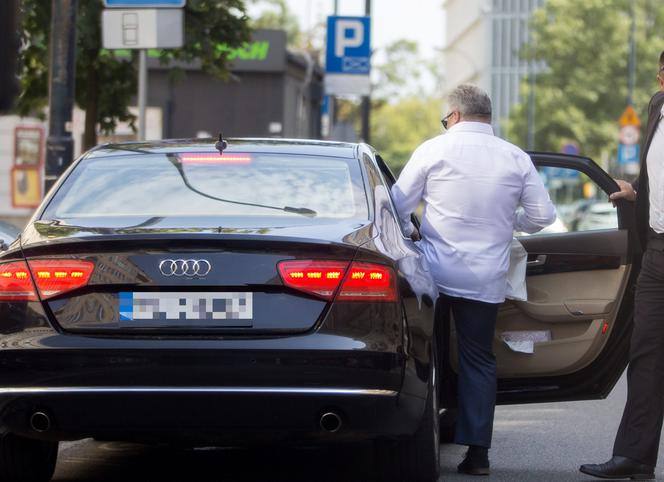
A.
pixel 139 379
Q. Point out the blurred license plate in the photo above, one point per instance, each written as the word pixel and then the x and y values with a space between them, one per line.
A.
pixel 221 308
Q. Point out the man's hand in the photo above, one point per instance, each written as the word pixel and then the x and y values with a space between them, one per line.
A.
pixel 415 235
pixel 626 192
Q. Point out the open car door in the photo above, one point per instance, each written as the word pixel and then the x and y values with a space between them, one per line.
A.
pixel 580 279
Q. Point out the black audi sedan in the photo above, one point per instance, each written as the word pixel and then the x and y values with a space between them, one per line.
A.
pixel 181 292
pixel 172 292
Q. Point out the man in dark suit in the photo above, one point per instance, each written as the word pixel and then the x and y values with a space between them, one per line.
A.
pixel 637 441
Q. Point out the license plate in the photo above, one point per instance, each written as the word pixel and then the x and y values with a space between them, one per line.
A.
pixel 205 308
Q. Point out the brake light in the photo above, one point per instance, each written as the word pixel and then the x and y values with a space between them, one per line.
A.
pixel 52 277
pixel 359 282
pixel 320 278
pixel 16 283
pixel 57 276
pixel 214 158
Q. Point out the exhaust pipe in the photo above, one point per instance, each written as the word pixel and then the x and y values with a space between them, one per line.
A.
pixel 40 422
pixel 330 422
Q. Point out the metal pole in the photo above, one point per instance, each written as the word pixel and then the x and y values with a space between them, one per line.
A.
pixel 60 145
pixel 366 100
pixel 142 91
pixel 531 106
pixel 333 103
pixel 632 57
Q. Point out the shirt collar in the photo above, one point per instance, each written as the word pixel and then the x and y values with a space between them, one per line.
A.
pixel 467 126
pixel 661 112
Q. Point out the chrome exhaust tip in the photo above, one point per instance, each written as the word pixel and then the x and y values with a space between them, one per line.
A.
pixel 40 422
pixel 330 422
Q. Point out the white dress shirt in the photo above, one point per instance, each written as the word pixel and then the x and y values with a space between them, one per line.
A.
pixel 473 185
pixel 655 160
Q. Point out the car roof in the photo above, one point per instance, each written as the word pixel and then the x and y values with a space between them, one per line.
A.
pixel 249 145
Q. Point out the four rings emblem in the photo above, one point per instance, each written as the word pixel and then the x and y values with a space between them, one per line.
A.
pixel 185 267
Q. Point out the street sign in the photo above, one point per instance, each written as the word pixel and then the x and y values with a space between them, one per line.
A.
pixel 143 28
pixel 629 150
pixel 144 3
pixel 630 118
pixel 348 55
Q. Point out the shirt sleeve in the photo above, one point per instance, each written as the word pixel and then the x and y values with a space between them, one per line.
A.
pixel 407 192
pixel 537 211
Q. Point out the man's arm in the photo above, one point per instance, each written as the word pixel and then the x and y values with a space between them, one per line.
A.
pixel 408 190
pixel 537 210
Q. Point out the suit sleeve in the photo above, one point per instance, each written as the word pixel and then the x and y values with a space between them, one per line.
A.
pixel 407 192
pixel 536 209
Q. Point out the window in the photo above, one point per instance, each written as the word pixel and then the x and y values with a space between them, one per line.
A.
pixel 581 205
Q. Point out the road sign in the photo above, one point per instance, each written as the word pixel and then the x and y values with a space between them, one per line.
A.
pixel 144 3
pixel 348 56
pixel 143 28
pixel 630 118
pixel 571 149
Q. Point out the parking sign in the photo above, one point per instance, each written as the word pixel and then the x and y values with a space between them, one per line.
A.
pixel 348 56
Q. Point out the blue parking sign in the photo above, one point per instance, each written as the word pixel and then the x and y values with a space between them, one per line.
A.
pixel 348 45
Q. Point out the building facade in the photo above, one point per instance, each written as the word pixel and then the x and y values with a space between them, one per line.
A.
pixel 483 46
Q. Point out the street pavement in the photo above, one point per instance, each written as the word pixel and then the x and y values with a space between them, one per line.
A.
pixel 531 442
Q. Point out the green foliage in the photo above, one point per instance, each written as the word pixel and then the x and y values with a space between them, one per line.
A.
pixel 277 15
pixel 398 128
pixel 584 86
pixel 106 83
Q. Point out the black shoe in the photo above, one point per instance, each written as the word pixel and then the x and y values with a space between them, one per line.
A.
pixel 620 468
pixel 475 463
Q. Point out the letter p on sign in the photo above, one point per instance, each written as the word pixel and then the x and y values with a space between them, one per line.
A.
pixel 349 34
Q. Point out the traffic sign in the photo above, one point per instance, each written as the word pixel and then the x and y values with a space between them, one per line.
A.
pixel 143 28
pixel 144 3
pixel 630 118
pixel 348 55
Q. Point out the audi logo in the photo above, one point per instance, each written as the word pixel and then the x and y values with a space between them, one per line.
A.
pixel 185 267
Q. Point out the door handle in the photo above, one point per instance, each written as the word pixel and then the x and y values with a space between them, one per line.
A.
pixel 539 261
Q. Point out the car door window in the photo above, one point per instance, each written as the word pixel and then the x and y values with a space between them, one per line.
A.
pixel 581 205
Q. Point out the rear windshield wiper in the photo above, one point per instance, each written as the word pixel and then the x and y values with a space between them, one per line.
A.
pixel 289 209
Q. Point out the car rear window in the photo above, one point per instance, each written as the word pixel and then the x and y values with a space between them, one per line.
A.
pixel 159 185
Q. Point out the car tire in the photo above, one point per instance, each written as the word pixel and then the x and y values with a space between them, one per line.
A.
pixel 26 460
pixel 416 458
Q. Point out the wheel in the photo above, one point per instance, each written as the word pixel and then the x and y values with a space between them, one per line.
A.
pixel 416 458
pixel 447 423
pixel 26 460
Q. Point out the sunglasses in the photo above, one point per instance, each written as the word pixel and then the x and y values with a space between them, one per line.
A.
pixel 445 119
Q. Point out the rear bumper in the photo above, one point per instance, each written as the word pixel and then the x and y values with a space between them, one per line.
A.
pixel 204 391
pixel 206 415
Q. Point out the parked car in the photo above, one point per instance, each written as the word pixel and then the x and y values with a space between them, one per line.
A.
pixel 8 233
pixel 166 292
pixel 601 215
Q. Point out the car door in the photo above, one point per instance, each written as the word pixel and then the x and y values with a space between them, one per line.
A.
pixel 580 280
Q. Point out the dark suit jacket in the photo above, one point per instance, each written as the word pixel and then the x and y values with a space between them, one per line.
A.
pixel 642 184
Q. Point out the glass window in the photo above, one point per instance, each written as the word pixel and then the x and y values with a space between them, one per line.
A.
pixel 189 185
pixel 581 205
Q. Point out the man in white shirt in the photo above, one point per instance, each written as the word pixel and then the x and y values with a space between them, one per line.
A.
pixel 477 189
pixel 637 441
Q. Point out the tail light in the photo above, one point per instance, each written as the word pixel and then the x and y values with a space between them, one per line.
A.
pixel 51 276
pixel 359 281
pixel 214 158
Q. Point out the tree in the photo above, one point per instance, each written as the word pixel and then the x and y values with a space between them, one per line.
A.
pixel 398 128
pixel 275 14
pixel 106 83
pixel 583 88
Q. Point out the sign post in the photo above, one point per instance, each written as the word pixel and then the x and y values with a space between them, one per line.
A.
pixel 628 149
pixel 142 25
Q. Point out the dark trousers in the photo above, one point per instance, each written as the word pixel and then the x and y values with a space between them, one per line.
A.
pixel 641 424
pixel 475 323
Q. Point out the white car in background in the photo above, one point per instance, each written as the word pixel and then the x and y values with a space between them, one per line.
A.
pixel 599 216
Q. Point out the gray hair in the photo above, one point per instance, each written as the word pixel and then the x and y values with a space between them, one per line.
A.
pixel 471 101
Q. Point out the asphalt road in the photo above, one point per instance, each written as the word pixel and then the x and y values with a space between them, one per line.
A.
pixel 531 442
